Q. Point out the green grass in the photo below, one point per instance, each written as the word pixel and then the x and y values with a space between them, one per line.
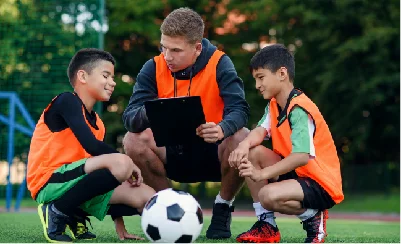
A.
pixel 389 203
pixel 26 227
pixel 381 203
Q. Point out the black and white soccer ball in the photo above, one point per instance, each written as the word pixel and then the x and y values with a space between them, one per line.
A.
pixel 172 216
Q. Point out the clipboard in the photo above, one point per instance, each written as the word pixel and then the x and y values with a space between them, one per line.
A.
pixel 174 120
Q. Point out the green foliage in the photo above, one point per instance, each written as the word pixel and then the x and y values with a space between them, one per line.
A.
pixel 37 45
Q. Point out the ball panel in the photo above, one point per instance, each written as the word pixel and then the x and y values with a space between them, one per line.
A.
pixel 151 201
pixel 169 231
pixel 190 225
pixel 175 212
pixel 184 239
pixel 154 215
pixel 188 203
pixel 167 197
pixel 199 214
pixel 153 233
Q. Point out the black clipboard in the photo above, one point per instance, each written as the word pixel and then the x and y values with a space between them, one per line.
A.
pixel 174 120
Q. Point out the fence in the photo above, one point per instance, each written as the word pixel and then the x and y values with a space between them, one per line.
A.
pixel 38 39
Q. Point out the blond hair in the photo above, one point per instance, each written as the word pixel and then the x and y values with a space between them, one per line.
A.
pixel 184 22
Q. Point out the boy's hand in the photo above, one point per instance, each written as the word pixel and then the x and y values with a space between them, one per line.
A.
pixel 210 132
pixel 239 154
pixel 136 178
pixel 122 232
pixel 246 169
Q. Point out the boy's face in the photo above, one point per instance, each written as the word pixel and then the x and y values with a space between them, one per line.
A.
pixel 267 82
pixel 178 53
pixel 100 82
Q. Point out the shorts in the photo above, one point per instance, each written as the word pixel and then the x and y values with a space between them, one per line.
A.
pixel 196 162
pixel 63 179
pixel 315 196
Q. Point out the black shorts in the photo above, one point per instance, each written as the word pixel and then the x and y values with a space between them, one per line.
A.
pixel 315 196
pixel 195 162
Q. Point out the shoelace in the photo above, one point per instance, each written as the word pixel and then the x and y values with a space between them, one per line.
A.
pixel 81 226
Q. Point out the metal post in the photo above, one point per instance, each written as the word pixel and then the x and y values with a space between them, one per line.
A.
pixel 98 106
pixel 10 151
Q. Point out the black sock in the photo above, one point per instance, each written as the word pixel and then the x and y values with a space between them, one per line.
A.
pixel 119 210
pixel 93 184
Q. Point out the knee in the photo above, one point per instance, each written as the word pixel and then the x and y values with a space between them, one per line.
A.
pixel 238 137
pixel 136 144
pixel 268 198
pixel 256 153
pixel 122 167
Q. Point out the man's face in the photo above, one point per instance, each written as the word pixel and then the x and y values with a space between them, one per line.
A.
pixel 178 52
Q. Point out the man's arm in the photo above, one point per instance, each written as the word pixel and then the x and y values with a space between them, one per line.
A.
pixel 69 107
pixel 145 88
pixel 236 109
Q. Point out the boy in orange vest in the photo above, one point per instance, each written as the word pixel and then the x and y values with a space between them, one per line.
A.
pixel 72 173
pixel 303 170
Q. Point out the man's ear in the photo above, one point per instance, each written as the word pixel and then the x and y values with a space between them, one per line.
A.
pixel 198 47
pixel 81 76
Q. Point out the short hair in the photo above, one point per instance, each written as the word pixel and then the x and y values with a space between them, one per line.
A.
pixel 273 57
pixel 184 22
pixel 87 59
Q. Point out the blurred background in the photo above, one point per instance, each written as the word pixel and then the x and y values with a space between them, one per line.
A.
pixel 347 56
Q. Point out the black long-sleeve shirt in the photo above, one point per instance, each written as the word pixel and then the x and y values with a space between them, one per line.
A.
pixel 236 109
pixel 66 112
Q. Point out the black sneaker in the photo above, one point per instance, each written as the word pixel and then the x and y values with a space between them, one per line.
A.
pixel 316 227
pixel 78 229
pixel 219 227
pixel 53 224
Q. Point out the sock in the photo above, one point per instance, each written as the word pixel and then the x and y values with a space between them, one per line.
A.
pixel 309 213
pixel 54 209
pixel 120 210
pixel 93 184
pixel 268 215
pixel 221 200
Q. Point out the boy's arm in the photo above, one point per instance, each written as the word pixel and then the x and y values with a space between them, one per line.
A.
pixel 254 138
pixel 302 145
pixel 69 108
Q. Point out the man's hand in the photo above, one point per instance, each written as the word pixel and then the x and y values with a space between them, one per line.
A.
pixel 136 178
pixel 210 132
pixel 246 169
pixel 239 154
pixel 122 232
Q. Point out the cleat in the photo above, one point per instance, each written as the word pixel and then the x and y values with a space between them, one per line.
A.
pixel 79 230
pixel 53 224
pixel 316 227
pixel 260 232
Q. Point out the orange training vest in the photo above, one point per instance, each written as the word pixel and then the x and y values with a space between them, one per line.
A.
pixel 204 84
pixel 325 167
pixel 50 150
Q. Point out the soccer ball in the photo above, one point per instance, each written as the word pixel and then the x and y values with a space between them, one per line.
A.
pixel 172 216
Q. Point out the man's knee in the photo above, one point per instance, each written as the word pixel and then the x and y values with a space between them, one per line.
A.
pixel 233 141
pixel 136 144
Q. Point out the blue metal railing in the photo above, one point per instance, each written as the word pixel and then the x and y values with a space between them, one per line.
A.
pixel 10 121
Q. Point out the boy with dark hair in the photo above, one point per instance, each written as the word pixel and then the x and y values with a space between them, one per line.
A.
pixel 72 173
pixel 303 170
